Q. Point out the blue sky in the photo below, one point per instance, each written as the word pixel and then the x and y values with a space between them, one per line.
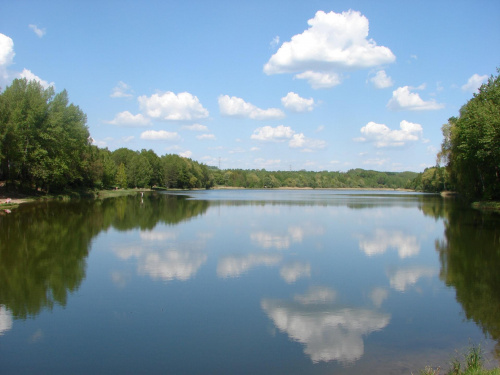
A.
pixel 280 85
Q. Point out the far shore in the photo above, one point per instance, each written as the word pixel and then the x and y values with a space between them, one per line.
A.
pixel 11 200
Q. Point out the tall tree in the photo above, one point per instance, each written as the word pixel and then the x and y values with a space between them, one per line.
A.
pixel 472 144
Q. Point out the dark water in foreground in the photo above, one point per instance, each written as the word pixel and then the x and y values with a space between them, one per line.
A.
pixel 247 282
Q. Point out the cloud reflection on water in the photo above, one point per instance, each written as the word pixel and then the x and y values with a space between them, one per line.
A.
pixel 293 271
pixel 402 278
pixel 5 320
pixel 406 245
pixel 236 265
pixel 327 332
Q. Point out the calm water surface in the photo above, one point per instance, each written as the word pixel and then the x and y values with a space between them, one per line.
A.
pixel 247 282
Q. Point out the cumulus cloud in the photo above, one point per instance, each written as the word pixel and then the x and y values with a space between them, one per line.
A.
pixel 474 83
pixel 268 133
pixel 160 135
pixel 283 133
pixel 404 99
pixel 382 136
pixel 186 154
pixel 334 42
pixel 6 53
pixel 39 32
pixel 128 119
pixel 28 74
pixel 195 128
pixel 308 144
pixel 172 107
pixel 121 90
pixel 381 80
pixel 319 80
pixel 7 58
pixel 295 103
pixel 327 333
pixel 210 137
pixel 237 107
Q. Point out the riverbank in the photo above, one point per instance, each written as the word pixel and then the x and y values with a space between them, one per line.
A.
pixel 11 200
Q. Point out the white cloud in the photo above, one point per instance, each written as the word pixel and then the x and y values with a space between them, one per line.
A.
pixel 6 51
pixel 195 127
pixel 283 133
pixel 404 99
pixel 160 135
pixel 210 137
pixel 334 42
pixel 128 119
pixel 381 80
pixel 327 333
pixel 39 32
pixel 294 271
pixel 474 83
pixel 295 103
pixel 382 136
pixel 28 74
pixel 186 154
pixel 274 43
pixel 7 58
pixel 121 90
pixel 308 144
pixel 237 107
pixel 320 80
pixel 172 107
pixel 278 134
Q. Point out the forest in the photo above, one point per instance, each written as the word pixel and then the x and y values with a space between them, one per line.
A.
pixel 45 146
pixel 469 159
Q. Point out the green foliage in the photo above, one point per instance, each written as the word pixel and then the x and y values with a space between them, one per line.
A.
pixel 121 176
pixel 44 140
pixel 471 146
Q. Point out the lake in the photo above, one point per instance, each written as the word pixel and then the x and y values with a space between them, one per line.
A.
pixel 247 282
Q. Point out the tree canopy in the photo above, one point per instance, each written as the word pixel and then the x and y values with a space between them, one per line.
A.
pixel 472 144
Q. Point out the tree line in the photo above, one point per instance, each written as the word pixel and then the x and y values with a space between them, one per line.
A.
pixel 469 159
pixel 45 145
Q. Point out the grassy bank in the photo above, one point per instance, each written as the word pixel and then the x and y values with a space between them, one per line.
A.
pixel 11 200
pixel 470 363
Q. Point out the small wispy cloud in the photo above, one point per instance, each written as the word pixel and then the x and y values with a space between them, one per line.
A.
pixel 39 32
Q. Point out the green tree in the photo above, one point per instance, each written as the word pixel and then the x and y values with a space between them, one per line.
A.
pixel 44 140
pixel 471 144
pixel 121 176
